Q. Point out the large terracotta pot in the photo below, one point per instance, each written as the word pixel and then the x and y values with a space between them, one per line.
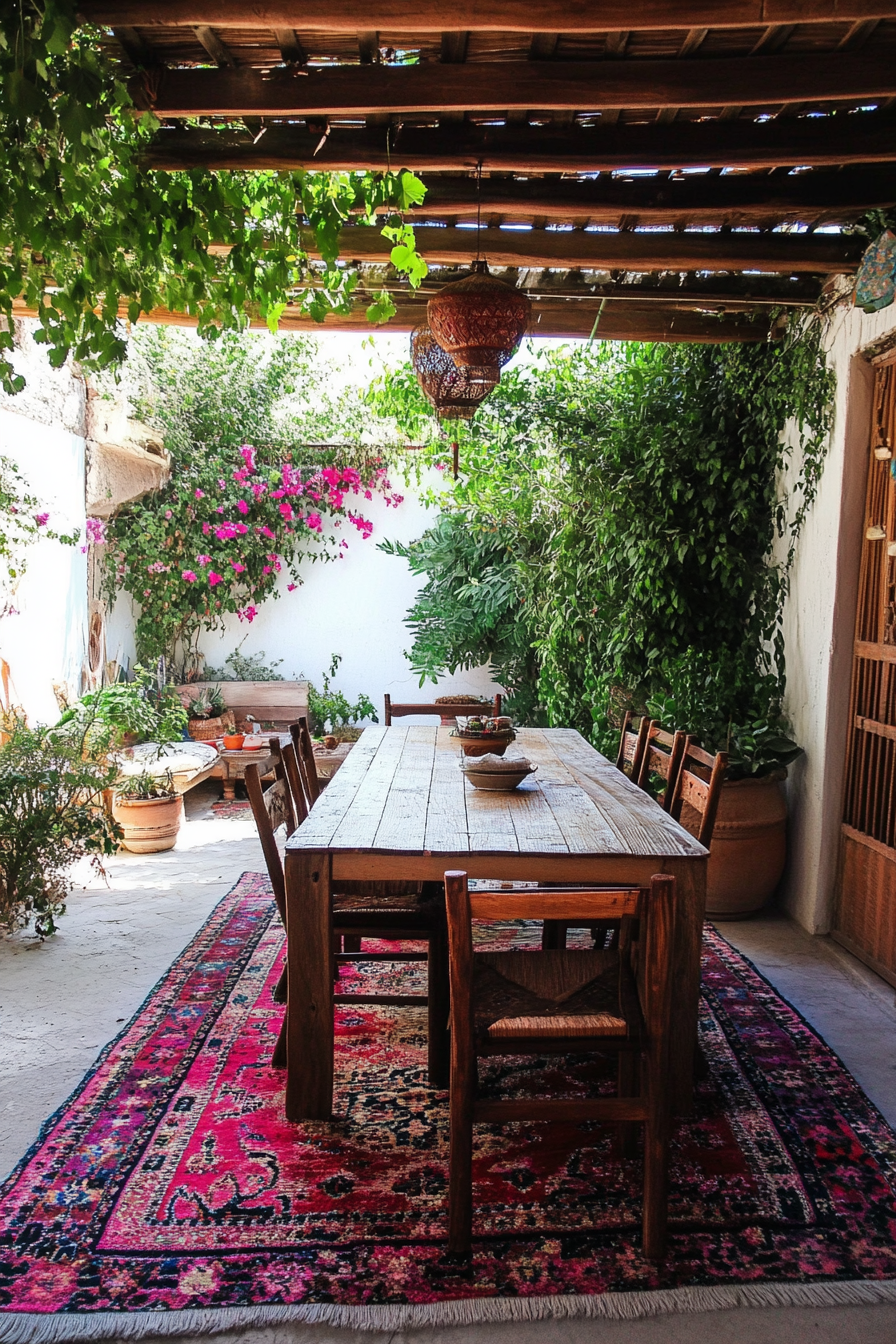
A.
pixel 149 824
pixel 749 848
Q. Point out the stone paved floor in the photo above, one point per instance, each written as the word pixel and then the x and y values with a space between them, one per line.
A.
pixel 62 1000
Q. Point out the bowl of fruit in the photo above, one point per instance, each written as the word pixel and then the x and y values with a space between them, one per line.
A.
pixel 479 735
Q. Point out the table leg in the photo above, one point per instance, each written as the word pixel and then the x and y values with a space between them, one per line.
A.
pixel 229 787
pixel 690 877
pixel 309 1047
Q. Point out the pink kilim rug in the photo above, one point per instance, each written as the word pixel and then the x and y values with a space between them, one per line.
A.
pixel 170 1195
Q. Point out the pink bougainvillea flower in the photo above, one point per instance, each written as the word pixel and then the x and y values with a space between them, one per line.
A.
pixel 189 576
pixel 240 529
pixel 315 522
pixel 238 566
pixel 203 559
pixel 214 578
pixel 248 456
pixel 200 494
pixel 206 529
pixel 368 494
pixel 167 513
pixel 41 519
pixel 221 483
pixel 286 509
pixel 266 532
pixel 247 613
pixel 266 569
pixel 259 489
pixel 242 506
pixel 157 567
pixel 291 587
pixel 343 543
pixel 336 499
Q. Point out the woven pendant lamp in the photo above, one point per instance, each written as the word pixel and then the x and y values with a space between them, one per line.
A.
pixel 454 393
pixel 479 321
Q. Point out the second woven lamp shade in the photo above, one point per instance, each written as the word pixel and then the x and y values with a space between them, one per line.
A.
pixel 479 321
pixel 454 393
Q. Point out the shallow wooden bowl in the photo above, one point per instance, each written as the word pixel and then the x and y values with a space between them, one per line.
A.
pixel 498 781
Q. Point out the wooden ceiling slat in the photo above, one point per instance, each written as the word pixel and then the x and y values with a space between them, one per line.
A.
pixel 291 48
pixel 552 85
pixel 561 16
pixel 774 252
pixel 850 190
pixel 215 47
pixel 868 137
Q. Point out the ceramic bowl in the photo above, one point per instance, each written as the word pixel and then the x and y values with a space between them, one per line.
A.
pixel 233 741
pixel 498 781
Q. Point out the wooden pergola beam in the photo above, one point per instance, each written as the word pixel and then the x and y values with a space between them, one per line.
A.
pixel 850 191
pixel 579 250
pixel 519 16
pixel 866 137
pixel 497 86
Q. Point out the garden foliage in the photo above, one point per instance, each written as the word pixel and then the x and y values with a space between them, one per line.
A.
pixel 51 815
pixel 610 539
pixel 89 234
pixel 248 498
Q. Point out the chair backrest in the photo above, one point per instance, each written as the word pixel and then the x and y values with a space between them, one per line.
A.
pixel 468 708
pixel 301 740
pixel 286 765
pixel 654 907
pixel 631 745
pixel 663 754
pixel 271 807
pixel 701 793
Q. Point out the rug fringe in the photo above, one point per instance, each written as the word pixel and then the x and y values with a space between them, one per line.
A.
pixel 37 1328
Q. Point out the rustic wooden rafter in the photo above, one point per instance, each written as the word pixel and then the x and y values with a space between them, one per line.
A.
pixel 773 252
pixel 496 86
pixel 711 199
pixel 866 137
pixel 511 16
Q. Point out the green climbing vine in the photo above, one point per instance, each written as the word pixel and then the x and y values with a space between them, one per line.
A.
pixel 620 533
pixel 88 234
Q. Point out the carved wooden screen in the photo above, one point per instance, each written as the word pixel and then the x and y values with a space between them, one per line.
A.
pixel 865 917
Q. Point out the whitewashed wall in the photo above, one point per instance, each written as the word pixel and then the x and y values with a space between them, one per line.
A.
pixel 354 606
pixel 819 623
pixel 44 643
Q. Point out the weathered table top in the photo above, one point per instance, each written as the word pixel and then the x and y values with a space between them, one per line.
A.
pixel 401 792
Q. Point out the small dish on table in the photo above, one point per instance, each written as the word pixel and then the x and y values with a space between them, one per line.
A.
pixel 497 775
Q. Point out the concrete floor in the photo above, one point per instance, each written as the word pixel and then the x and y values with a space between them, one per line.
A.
pixel 62 1000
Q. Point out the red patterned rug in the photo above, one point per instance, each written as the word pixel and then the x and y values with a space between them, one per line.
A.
pixel 231 807
pixel 170 1195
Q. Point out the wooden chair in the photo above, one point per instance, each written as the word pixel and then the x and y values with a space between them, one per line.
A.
pixel 563 1002
pixel 663 754
pixel 470 708
pixel 363 910
pixel 699 792
pixel 301 740
pixel 632 745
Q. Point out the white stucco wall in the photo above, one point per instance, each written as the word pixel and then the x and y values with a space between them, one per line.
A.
pixel 354 606
pixel 44 643
pixel 819 621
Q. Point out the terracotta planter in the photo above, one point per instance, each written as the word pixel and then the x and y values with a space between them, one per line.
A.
pixel 149 824
pixel 206 730
pixel 749 848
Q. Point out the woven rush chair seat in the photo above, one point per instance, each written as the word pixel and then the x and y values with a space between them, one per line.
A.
pixel 554 993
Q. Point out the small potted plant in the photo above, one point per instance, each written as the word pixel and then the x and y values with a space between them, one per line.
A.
pixel 209 716
pixel 149 811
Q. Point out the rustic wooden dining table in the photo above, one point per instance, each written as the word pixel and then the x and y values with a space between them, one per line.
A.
pixel 400 808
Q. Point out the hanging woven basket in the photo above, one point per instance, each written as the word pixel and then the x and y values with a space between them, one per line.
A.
pixel 479 321
pixel 454 393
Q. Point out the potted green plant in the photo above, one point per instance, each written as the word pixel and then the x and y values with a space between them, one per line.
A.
pixel 209 716
pixel 52 813
pixel 127 713
pixel 331 712
pixel 749 844
pixel 149 811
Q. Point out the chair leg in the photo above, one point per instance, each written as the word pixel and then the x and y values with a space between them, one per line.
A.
pixel 278 1058
pixel 281 989
pixel 553 935
pixel 628 1072
pixel 438 1009
pixel 460 1166
pixel 656 1165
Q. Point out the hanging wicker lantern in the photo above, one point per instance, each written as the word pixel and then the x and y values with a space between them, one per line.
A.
pixel 479 321
pixel 454 393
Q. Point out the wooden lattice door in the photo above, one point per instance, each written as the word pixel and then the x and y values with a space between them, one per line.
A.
pixel 865 912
